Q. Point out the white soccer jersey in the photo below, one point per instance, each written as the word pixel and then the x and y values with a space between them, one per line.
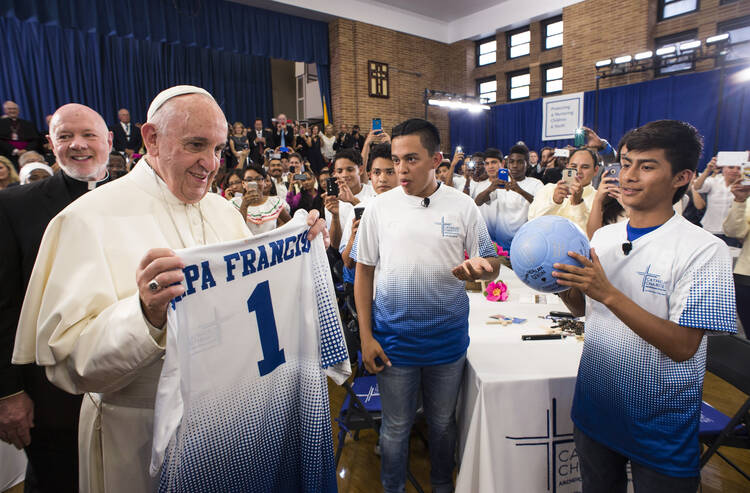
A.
pixel 629 395
pixel 242 402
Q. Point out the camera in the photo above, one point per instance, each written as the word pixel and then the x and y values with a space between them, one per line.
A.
pixel 332 187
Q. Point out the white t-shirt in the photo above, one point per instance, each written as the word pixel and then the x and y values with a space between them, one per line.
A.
pixel 630 396
pixel 345 208
pixel 367 192
pixel 477 187
pixel 718 202
pixel 242 402
pixel 507 211
pixel 420 312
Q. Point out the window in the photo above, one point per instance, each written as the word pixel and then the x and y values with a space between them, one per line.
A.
pixel 552 76
pixel 487 90
pixel 518 84
pixel 673 8
pixel 679 60
pixel 378 79
pixel 486 51
pixel 552 33
pixel 519 42
pixel 739 32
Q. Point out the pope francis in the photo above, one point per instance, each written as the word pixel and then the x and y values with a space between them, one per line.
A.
pixel 95 308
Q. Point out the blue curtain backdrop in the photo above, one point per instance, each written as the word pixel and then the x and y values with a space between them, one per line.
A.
pixel 692 98
pixel 112 54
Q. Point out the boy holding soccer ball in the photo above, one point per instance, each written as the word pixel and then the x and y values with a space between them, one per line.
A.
pixel 653 286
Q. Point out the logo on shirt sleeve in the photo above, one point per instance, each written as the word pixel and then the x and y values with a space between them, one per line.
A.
pixel 652 283
pixel 448 230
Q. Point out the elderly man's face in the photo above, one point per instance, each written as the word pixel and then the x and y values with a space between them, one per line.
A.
pixel 124 116
pixel 281 119
pixel 186 155
pixel 80 141
pixel 11 109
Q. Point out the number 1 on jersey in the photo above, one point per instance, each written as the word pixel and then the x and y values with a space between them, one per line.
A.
pixel 260 303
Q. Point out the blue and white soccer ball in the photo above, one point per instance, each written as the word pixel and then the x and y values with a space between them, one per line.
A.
pixel 542 242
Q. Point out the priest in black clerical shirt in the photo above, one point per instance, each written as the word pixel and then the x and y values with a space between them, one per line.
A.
pixel 16 134
pixel 26 397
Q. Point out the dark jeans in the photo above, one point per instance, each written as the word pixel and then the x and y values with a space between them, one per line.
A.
pixel 603 471
pixel 742 298
pixel 399 391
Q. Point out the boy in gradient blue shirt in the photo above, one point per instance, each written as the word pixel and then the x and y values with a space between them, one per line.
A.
pixel 652 288
pixel 415 331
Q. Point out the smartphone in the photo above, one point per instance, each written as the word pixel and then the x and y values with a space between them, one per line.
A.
pixel 612 171
pixel 502 174
pixel 300 177
pixel 746 174
pixel 562 153
pixel 292 169
pixel 377 125
pixel 580 137
pixel 284 149
pixel 459 149
pixel 332 187
pixel 569 175
pixel 471 165
pixel 358 212
pixel 252 185
pixel 731 158
pixel 541 337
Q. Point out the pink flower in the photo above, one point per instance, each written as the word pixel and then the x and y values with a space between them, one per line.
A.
pixel 502 252
pixel 496 291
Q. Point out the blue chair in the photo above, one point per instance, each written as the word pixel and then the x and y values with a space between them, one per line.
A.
pixel 728 358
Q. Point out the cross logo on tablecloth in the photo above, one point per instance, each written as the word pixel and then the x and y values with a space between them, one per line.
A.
pixel 562 461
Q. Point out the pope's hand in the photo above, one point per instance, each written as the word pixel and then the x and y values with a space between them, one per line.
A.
pixel 317 226
pixel 16 419
pixel 164 267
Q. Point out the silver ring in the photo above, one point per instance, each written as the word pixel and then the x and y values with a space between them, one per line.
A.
pixel 153 285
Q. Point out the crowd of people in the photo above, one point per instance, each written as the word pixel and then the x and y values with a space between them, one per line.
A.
pixel 93 320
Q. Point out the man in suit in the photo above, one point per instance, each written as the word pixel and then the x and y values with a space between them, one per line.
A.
pixel 34 414
pixel 16 134
pixel 283 132
pixel 260 139
pixel 127 137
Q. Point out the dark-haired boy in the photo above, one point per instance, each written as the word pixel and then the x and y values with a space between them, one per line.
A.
pixel 654 285
pixel 505 204
pixel 415 332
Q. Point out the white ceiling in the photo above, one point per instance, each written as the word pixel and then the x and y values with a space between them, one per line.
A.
pixel 447 21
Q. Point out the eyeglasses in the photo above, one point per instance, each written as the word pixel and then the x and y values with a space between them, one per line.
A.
pixel 256 179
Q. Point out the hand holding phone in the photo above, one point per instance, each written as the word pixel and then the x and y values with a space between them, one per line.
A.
pixel 332 187
pixel 377 125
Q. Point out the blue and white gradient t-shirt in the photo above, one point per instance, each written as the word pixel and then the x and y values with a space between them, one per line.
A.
pixel 507 211
pixel 420 313
pixel 242 402
pixel 629 395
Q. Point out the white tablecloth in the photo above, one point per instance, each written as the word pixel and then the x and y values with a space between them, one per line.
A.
pixel 515 432
pixel 12 466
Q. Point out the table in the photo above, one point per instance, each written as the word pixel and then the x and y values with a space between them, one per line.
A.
pixel 515 431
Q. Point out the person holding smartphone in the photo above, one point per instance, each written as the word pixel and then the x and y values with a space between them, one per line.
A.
pixel 505 204
pixel 572 196
pixel 261 212
pixel 383 177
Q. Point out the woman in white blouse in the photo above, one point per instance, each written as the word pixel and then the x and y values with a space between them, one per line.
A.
pixel 261 212
pixel 326 143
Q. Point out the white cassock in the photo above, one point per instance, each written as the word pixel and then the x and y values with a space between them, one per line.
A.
pixel 82 319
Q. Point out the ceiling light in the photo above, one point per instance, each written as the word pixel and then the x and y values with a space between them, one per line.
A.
pixel 717 38
pixel 603 63
pixel 644 55
pixel 623 59
pixel 667 50
pixel 690 45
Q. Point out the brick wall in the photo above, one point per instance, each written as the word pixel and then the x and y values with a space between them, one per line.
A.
pixel 593 30
pixel 414 64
